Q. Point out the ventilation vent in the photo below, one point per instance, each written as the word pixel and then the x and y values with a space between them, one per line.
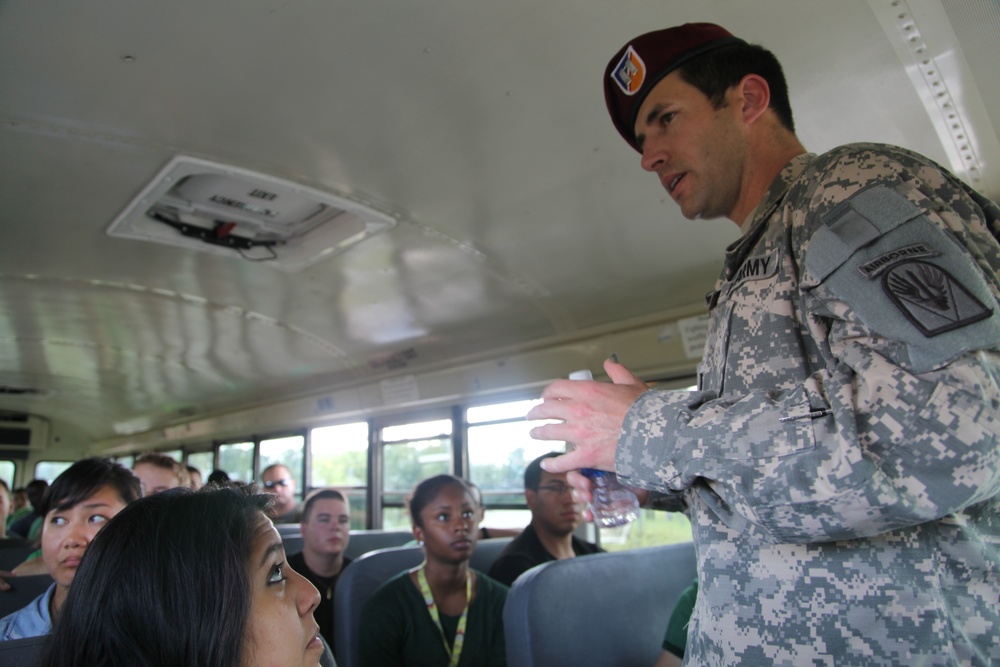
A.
pixel 23 431
pixel 8 390
pixel 224 210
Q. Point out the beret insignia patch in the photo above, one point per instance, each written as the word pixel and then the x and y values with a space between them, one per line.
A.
pixel 630 72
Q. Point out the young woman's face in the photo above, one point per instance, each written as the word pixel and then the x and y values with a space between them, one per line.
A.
pixel 66 534
pixel 451 525
pixel 281 631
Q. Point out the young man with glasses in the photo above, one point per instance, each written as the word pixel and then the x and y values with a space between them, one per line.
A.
pixel 549 536
pixel 277 479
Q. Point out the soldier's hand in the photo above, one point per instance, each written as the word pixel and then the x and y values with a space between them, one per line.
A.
pixel 591 415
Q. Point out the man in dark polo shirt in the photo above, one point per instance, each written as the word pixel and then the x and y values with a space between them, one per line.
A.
pixel 549 536
pixel 326 526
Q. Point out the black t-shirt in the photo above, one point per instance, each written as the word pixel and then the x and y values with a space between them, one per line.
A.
pixel 326 587
pixel 526 551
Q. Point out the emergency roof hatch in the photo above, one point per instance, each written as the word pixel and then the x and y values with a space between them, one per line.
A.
pixel 236 212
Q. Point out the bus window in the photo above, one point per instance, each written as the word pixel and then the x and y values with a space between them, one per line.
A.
pixel 126 461
pixel 339 459
pixel 499 450
pixel 236 459
pixel 49 470
pixel 203 461
pixel 7 473
pixel 652 528
pixel 175 454
pixel 410 453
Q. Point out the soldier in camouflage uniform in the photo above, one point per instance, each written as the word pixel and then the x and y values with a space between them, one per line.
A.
pixel 840 461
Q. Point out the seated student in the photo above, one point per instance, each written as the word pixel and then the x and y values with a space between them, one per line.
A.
pixel 28 526
pixel 19 505
pixel 219 478
pixel 194 478
pixel 188 578
pixel 441 612
pixel 5 503
pixel 484 532
pixel 326 531
pixel 159 472
pixel 75 508
pixel 6 512
pixel 277 479
pixel 675 641
pixel 549 536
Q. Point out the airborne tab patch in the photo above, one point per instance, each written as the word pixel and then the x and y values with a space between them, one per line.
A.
pixel 931 298
pixel 630 72
pixel 875 267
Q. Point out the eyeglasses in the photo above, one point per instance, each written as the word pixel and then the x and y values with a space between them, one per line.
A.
pixel 557 488
pixel 277 482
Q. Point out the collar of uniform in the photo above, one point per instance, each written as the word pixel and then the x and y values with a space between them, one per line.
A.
pixel 737 251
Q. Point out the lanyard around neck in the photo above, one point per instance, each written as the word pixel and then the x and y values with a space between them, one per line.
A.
pixel 456 650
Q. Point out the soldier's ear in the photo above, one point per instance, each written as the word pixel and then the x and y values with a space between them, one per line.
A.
pixel 753 95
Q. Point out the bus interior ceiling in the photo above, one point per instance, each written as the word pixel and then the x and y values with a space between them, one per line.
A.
pixel 499 232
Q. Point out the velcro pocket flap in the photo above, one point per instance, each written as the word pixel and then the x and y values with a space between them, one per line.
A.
pixel 852 225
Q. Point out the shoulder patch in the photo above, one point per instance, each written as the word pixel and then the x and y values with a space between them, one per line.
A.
pixel 904 277
pixel 931 298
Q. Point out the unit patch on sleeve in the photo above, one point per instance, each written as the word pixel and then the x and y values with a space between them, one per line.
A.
pixel 931 298
pixel 903 276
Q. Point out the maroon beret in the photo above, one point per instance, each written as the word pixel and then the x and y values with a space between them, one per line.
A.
pixel 644 61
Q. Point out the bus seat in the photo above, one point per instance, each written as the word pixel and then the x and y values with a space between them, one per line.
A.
pixel 12 556
pixel 363 541
pixel 356 584
pixel 487 551
pixel 286 529
pixel 604 609
pixel 22 591
pixel 9 542
pixel 292 543
pixel 327 659
pixel 22 652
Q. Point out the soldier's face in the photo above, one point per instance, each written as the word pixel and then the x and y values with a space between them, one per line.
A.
pixel 697 151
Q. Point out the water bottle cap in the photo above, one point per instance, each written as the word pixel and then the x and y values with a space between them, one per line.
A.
pixel 584 374
pixel 594 472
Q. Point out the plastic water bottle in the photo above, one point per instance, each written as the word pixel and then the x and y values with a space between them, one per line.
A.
pixel 613 504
